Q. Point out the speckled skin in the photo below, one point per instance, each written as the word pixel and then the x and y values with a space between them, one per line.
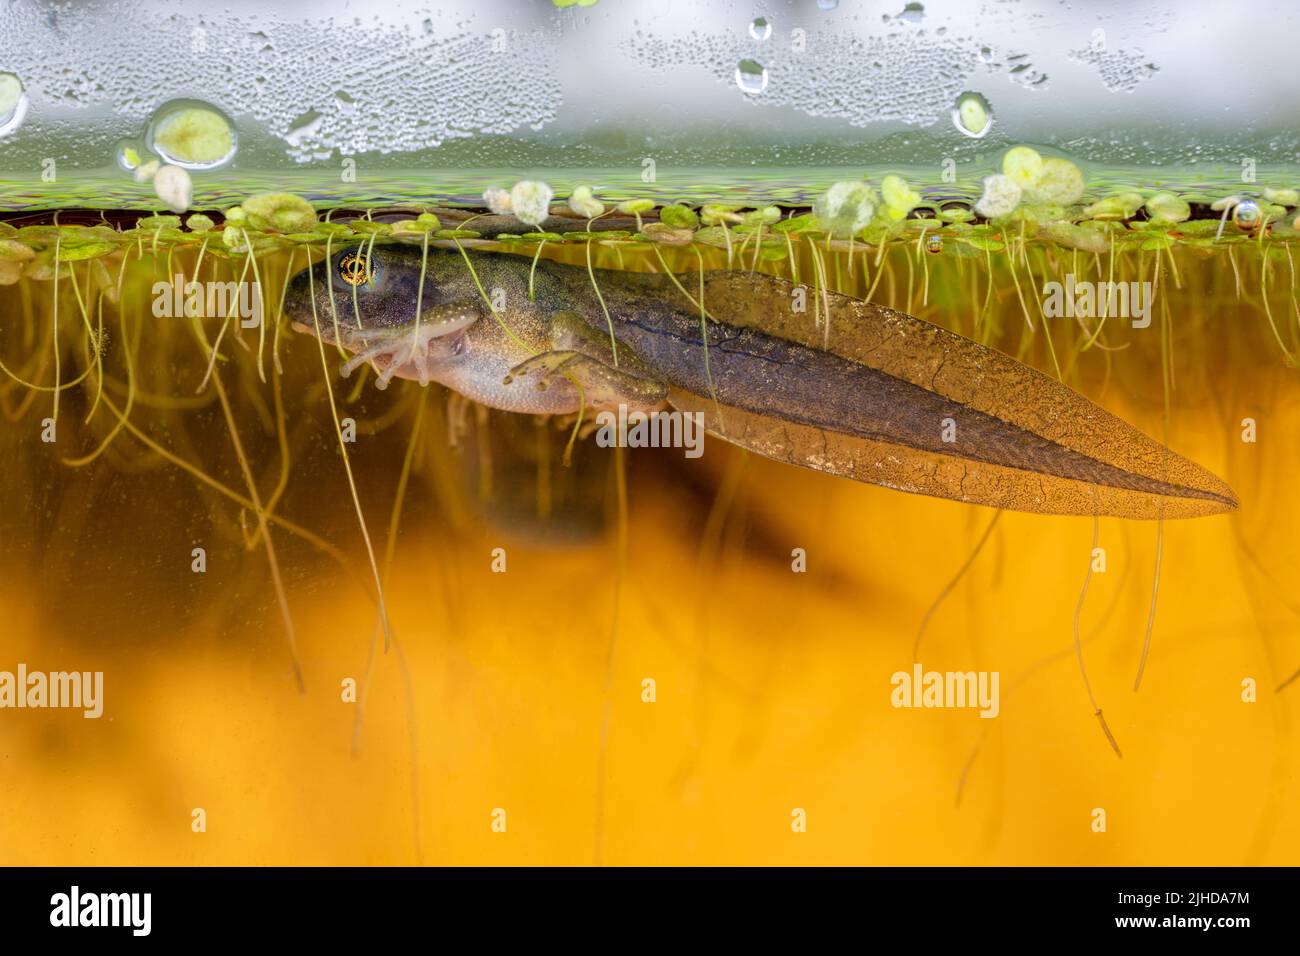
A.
pixel 870 398
pixel 473 361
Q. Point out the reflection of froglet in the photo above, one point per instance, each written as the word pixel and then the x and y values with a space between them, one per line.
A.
pixel 879 396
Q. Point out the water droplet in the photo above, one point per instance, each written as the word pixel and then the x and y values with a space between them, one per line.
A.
pixel 191 134
pixel 751 77
pixel 912 13
pixel 760 29
pixel 934 244
pixel 972 115
pixel 827 4
pixel 986 54
pixel 1246 215
pixel 129 155
pixel 307 125
pixel 13 103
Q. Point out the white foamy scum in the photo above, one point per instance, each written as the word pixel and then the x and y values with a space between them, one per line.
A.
pixel 365 79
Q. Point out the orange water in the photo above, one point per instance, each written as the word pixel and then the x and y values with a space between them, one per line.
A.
pixel 772 688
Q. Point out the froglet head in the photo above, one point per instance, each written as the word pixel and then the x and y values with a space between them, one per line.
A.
pixel 366 298
pixel 367 288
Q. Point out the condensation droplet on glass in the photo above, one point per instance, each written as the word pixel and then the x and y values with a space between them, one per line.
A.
pixel 129 154
pixel 911 13
pixel 827 4
pixel 751 77
pixel 306 126
pixel 760 28
pixel 972 115
pixel 13 103
pixel 191 134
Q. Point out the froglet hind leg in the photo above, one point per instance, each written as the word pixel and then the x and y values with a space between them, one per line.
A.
pixel 587 358
pixel 603 386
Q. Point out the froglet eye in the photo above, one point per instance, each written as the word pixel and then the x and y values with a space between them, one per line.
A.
pixel 356 269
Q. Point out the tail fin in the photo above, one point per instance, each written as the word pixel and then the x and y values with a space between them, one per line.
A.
pixel 886 398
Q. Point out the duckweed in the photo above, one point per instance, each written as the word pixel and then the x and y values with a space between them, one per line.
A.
pixel 584 203
pixel 1033 199
pixel 845 209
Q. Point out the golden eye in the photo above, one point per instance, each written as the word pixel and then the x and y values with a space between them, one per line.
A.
pixel 354 268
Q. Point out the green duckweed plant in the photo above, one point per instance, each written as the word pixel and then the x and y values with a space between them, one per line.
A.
pixel 1033 203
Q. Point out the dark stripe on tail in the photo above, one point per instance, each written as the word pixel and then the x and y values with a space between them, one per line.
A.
pixel 779 379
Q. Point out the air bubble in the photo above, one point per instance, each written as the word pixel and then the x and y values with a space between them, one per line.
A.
pixel 191 134
pixel 1246 215
pixel 751 76
pixel 760 29
pixel 13 103
pixel 129 155
pixel 972 115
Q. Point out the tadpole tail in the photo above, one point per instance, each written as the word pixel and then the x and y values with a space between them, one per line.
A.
pixel 886 398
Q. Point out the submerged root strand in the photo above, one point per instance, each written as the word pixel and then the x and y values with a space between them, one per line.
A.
pixel 1078 646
